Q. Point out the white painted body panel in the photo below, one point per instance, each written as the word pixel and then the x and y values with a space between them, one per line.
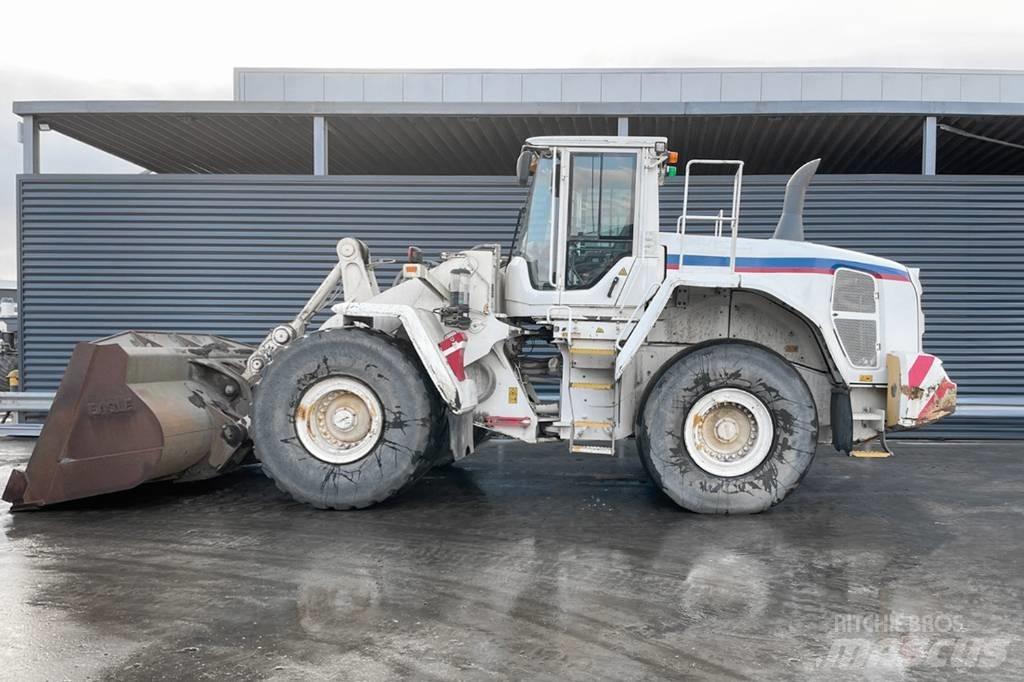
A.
pixel 803 281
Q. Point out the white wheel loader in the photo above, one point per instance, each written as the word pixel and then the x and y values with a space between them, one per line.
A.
pixel 728 359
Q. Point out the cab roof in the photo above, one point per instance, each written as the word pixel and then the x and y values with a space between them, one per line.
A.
pixel 594 141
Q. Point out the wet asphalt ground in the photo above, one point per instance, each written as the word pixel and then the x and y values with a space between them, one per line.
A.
pixel 525 562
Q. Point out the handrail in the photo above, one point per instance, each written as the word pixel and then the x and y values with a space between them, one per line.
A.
pixel 568 330
pixel 553 222
pixel 647 297
pixel 734 216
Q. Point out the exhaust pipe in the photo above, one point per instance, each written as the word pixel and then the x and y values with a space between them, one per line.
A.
pixel 791 222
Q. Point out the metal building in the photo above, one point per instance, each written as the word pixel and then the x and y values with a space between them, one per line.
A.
pixel 238 220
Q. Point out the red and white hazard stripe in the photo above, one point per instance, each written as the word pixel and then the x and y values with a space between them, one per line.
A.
pixel 453 348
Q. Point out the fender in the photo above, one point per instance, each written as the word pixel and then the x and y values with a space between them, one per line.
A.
pixel 425 333
pixel 656 305
pixel 709 280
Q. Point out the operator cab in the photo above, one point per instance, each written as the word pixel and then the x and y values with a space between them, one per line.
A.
pixel 587 237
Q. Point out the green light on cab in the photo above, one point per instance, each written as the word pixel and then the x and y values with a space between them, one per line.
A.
pixel 671 170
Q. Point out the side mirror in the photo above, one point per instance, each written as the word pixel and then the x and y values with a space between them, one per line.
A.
pixel 523 166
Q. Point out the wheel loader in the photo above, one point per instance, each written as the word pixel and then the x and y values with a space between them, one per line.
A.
pixel 727 359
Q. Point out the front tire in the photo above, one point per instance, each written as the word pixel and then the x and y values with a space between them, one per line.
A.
pixel 345 418
pixel 729 428
pixel 8 363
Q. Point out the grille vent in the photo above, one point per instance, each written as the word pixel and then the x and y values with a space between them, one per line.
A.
pixel 855 316
pixel 854 292
pixel 860 339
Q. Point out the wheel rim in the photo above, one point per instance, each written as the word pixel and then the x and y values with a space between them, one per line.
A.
pixel 728 432
pixel 339 420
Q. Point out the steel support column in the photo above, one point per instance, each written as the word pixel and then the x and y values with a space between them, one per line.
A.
pixel 29 145
pixel 319 145
pixel 929 146
pixel 623 128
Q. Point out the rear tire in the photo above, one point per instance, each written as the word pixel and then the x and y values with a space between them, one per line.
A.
pixel 345 418
pixel 729 428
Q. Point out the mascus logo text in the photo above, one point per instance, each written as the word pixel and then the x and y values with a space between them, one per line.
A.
pixel 115 406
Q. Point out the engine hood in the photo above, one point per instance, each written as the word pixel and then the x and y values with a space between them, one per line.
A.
pixel 776 255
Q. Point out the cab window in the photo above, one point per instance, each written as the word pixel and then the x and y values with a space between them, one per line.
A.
pixel 601 210
pixel 538 223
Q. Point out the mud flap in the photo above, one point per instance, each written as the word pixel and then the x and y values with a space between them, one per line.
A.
pixel 137 407
pixel 842 421
pixel 460 433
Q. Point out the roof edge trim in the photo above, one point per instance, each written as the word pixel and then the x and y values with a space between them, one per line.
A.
pixel 230 107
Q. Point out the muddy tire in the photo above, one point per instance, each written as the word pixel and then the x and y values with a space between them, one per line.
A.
pixel 729 428
pixel 345 418
pixel 8 363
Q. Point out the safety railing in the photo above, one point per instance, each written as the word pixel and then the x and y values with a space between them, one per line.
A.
pixel 719 219
pixel 568 327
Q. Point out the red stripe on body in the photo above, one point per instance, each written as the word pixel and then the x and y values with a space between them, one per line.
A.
pixel 784 270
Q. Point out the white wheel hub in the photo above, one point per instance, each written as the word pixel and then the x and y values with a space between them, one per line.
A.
pixel 728 432
pixel 339 420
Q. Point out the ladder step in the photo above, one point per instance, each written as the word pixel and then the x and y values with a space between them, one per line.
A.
pixel 592 449
pixel 591 385
pixel 591 351
pixel 870 454
pixel 592 423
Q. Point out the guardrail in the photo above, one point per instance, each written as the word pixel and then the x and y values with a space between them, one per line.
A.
pixel 990 406
pixel 26 401
pixel 13 402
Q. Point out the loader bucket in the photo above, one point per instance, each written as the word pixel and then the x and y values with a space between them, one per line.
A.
pixel 137 407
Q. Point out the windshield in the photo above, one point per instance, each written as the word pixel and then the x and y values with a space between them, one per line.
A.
pixel 534 241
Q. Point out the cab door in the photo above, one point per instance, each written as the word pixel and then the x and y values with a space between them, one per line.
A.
pixel 598 218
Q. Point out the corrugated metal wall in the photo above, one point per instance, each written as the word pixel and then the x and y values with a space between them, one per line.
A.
pixel 237 254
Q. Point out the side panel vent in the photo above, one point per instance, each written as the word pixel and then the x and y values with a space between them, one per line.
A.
pixel 860 341
pixel 855 316
pixel 854 292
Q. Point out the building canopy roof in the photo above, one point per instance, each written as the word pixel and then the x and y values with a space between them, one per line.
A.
pixel 467 122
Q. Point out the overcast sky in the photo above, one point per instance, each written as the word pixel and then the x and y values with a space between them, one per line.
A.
pixel 186 50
